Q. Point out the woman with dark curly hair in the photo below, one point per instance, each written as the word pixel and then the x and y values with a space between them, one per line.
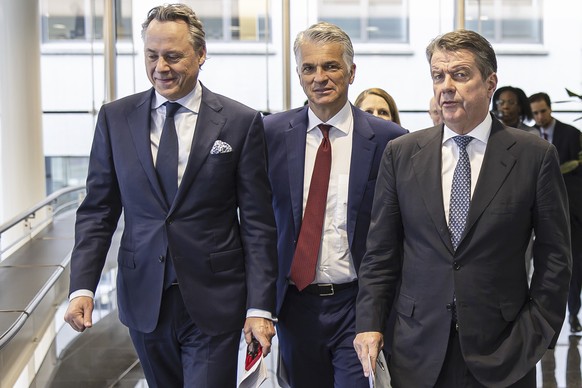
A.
pixel 511 106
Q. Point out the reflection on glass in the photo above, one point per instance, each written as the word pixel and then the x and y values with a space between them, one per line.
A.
pixel 234 20
pixel 573 373
pixel 82 20
pixel 368 20
pixel 506 21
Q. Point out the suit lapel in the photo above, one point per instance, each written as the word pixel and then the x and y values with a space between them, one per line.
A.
pixel 208 126
pixel 498 162
pixel 295 139
pixel 139 123
pixel 363 150
pixel 426 163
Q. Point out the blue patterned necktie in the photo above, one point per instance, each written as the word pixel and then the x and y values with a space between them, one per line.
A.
pixel 460 191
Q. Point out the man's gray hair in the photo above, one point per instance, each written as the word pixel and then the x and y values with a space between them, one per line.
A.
pixel 324 32
pixel 175 12
pixel 471 41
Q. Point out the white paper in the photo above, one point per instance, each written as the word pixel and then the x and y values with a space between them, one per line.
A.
pixel 254 377
pixel 371 377
pixel 282 376
pixel 382 376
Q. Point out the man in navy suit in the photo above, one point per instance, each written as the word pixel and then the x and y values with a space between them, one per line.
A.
pixel 568 141
pixel 196 266
pixel 453 213
pixel 316 314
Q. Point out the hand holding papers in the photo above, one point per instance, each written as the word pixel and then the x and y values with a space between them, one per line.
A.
pixel 255 368
pixel 371 376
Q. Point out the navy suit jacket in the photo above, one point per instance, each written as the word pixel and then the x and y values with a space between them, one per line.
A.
pixel 505 326
pixel 220 229
pixel 286 134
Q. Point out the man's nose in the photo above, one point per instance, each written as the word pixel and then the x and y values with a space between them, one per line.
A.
pixel 161 65
pixel 320 75
pixel 448 83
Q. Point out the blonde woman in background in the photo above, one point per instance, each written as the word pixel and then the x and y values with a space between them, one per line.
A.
pixel 379 103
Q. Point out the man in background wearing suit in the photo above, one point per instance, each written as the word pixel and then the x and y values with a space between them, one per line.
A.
pixel 197 260
pixel 322 222
pixel 568 141
pixel 454 209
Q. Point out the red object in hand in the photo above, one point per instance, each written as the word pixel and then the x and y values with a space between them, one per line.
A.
pixel 254 353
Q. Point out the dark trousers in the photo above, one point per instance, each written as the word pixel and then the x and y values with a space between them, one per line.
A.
pixel 178 354
pixel 455 374
pixel 576 280
pixel 316 335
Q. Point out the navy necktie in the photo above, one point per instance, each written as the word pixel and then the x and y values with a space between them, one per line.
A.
pixel 167 169
pixel 167 158
pixel 307 249
pixel 460 191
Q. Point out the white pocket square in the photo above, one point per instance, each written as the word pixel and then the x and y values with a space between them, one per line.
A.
pixel 220 147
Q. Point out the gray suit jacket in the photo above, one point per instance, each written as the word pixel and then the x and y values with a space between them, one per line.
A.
pixel 505 326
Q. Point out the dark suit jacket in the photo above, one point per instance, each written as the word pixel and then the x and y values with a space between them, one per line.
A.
pixel 286 136
pixel 567 141
pixel 225 262
pixel 505 327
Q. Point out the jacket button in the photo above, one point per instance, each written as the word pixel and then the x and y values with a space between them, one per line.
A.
pixel 161 259
pixel 456 266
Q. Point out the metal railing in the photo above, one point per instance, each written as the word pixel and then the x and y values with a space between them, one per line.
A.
pixel 23 227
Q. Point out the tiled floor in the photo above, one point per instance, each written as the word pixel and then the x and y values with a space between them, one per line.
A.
pixel 104 357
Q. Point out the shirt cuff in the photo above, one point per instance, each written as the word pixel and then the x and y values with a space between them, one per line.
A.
pixel 78 293
pixel 258 313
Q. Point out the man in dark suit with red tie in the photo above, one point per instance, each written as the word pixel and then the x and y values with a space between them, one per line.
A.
pixel 568 141
pixel 197 261
pixel 323 161
pixel 453 212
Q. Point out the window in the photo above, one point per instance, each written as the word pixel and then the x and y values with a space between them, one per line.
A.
pixel 506 21
pixel 81 20
pixel 368 21
pixel 234 20
pixel 63 171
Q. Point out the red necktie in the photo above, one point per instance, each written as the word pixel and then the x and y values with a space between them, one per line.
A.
pixel 307 250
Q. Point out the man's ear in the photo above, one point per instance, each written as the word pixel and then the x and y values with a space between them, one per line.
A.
pixel 352 73
pixel 491 84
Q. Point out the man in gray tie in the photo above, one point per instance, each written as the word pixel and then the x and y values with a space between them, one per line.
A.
pixel 453 212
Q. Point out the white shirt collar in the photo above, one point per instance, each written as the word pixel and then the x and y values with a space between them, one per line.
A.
pixel 342 120
pixel 191 101
pixel 481 132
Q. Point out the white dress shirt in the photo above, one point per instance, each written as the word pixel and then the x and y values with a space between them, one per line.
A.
pixel 334 264
pixel 450 156
pixel 548 131
pixel 185 120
